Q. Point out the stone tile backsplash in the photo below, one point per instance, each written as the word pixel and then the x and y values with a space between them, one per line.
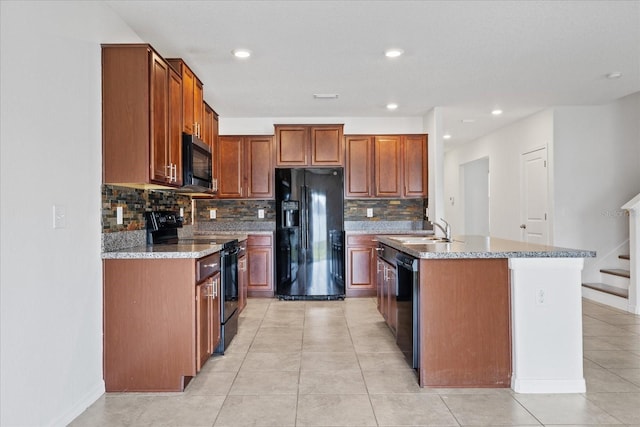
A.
pixel 385 209
pixel 135 202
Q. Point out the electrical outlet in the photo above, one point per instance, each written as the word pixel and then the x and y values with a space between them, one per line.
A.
pixel 182 212
pixel 540 297
pixel 213 214
pixel 119 219
pixel 261 213
pixel 369 212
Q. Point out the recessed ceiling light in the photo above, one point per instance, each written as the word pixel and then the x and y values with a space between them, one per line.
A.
pixel 496 112
pixel 468 120
pixel 241 53
pixel 446 136
pixel 393 53
pixel 392 106
pixel 325 95
pixel 614 75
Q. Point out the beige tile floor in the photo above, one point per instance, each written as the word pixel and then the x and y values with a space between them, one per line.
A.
pixel 335 363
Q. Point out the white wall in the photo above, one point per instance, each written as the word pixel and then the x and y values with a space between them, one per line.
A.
pixel 352 125
pixel 597 170
pixel 503 148
pixel 51 280
pixel 594 168
pixel 432 125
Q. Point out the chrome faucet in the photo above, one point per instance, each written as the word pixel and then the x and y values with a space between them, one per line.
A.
pixel 446 229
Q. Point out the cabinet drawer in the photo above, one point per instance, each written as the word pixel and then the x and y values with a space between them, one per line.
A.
pixel 258 240
pixel 207 266
pixel 361 240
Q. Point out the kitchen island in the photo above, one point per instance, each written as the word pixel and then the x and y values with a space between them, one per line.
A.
pixel 497 313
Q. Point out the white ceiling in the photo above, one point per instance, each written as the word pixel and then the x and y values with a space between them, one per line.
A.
pixel 467 57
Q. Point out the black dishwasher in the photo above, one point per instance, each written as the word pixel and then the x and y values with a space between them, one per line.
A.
pixel 407 302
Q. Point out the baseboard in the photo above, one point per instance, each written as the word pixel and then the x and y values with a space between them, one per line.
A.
pixel 606 299
pixel 533 386
pixel 79 407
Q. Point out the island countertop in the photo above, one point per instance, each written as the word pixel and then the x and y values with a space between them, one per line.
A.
pixel 483 247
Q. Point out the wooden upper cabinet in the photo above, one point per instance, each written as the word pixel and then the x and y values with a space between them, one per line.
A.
pixel 388 166
pixel 358 168
pixel 192 98
pixel 210 137
pixel 327 147
pixel 292 145
pixel 259 167
pixel 245 167
pixel 159 117
pixel 309 145
pixel 230 166
pixel 138 96
pixel 415 166
pixel 175 125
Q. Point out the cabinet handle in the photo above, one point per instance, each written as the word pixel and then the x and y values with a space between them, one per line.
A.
pixel 215 289
pixel 211 265
pixel 175 172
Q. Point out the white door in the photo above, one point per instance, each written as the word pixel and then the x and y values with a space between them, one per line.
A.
pixel 534 205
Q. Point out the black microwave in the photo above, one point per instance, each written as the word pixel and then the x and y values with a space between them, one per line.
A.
pixel 196 164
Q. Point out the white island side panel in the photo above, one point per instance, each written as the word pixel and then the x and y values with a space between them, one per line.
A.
pixel 546 310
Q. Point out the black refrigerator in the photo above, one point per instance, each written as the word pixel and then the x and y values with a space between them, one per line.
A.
pixel 309 233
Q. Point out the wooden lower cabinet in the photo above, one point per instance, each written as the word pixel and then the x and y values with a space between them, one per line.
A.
pixel 161 323
pixel 242 276
pixel 465 338
pixel 361 266
pixel 386 283
pixel 207 319
pixel 260 266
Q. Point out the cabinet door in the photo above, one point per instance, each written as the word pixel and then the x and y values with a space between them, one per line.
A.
pixel 215 301
pixel 203 322
pixel 360 271
pixel 198 106
pixel 392 311
pixel 292 145
pixel 259 167
pixel 260 266
pixel 159 119
pixel 415 166
pixel 358 171
pixel 175 126
pixel 242 282
pixel 230 160
pixel 379 282
pixel 188 84
pixel 361 266
pixel 388 160
pixel 207 125
pixel 327 147
pixel 215 173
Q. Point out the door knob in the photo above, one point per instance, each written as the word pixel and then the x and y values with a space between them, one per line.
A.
pixel 523 226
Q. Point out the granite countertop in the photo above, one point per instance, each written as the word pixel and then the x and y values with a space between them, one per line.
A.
pixel 182 249
pixel 178 250
pixel 484 247
pixel 390 232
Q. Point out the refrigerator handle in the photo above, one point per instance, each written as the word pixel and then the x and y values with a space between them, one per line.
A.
pixel 306 219
pixel 303 217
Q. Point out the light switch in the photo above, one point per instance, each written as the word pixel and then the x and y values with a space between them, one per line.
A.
pixel 212 214
pixel 59 216
pixel 369 212
pixel 182 212
pixel 261 213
